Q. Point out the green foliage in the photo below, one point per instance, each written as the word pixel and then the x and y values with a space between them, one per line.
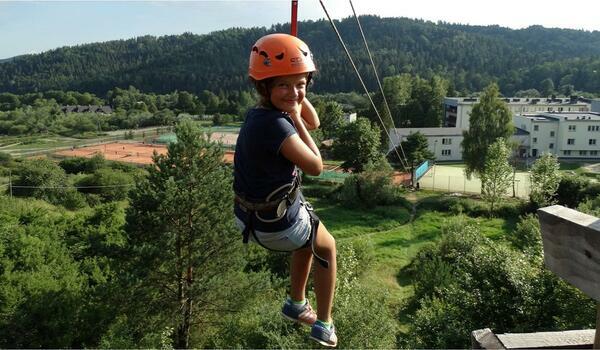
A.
pixel 467 282
pixel 517 59
pixel 572 190
pixel 490 119
pixel 109 184
pixel 181 237
pixel 496 173
pixel 82 165
pixel 372 187
pixel 527 236
pixel 545 180
pixel 41 179
pixel 474 208
pixel 55 275
pixel 415 148
pixel 222 119
pixel 331 116
pixel 357 144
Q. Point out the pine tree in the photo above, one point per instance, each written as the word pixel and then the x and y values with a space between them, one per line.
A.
pixel 182 243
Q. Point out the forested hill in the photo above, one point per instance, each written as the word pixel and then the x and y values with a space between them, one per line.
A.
pixel 470 56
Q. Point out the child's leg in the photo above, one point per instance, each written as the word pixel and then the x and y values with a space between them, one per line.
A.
pixel 324 279
pixel 299 270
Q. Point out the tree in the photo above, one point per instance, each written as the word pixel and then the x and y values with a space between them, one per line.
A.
pixel 416 149
pixel 332 119
pixel 496 174
pixel 490 119
pixel 182 243
pixel 545 179
pixel 547 87
pixel 357 144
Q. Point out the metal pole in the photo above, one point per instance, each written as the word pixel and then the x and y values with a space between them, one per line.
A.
pixel 294 23
pixel 433 187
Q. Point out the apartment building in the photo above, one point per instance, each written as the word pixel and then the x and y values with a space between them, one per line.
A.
pixel 457 110
pixel 566 135
pixel 444 143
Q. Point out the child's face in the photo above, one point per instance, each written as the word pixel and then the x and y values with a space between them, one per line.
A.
pixel 288 91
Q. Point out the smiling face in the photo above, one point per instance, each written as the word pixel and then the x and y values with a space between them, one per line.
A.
pixel 287 92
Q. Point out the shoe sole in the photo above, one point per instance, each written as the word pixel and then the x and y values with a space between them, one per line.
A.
pixel 295 320
pixel 324 343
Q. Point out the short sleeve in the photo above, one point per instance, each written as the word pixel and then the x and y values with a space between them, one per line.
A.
pixel 277 130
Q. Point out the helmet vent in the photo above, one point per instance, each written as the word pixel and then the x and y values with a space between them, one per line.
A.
pixel 305 53
pixel 280 56
pixel 263 53
pixel 255 49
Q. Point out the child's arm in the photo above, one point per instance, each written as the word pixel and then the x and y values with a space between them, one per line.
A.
pixel 300 148
pixel 309 115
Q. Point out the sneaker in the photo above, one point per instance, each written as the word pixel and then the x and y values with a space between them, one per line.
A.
pixel 302 314
pixel 323 335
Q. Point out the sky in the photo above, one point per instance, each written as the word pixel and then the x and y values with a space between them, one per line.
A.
pixel 35 26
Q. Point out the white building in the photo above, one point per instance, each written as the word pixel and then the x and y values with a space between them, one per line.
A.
pixel 566 135
pixel 444 143
pixel 457 110
pixel 564 127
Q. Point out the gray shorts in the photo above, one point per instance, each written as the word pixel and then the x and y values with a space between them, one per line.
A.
pixel 287 240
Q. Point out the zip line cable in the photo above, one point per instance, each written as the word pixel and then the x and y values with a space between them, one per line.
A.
pixel 360 78
pixel 378 81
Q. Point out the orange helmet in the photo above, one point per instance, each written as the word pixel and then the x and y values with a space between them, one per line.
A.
pixel 279 54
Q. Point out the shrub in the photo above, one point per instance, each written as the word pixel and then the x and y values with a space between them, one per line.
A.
pixel 370 188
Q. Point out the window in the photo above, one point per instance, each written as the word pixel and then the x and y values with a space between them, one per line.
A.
pixel 551 133
pixel 590 128
pixel 446 141
pixel 549 109
pixel 567 153
pixel 551 146
pixel 571 127
pixel 560 109
pixel 536 127
pixel 535 140
pixel 593 153
pixel 570 141
pixel 446 152
pixel 597 128
pixel 592 142
pixel 583 153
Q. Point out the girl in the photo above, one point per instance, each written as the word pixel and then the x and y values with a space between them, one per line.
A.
pixel 270 209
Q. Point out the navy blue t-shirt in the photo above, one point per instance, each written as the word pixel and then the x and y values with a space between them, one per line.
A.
pixel 259 167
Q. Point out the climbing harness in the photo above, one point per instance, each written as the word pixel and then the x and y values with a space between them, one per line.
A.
pixel 280 204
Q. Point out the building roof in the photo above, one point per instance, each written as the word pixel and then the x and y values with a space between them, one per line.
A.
pixel 570 116
pixel 574 101
pixel 428 131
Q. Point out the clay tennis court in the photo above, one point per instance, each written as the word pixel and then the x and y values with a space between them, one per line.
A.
pixel 128 152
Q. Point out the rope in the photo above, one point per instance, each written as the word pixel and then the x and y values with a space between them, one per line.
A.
pixel 380 87
pixel 359 77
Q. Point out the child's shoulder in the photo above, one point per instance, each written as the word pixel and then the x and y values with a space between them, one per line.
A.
pixel 263 115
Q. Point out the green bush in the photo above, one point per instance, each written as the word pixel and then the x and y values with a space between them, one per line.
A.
pixel 527 236
pixel 370 188
pixel 467 282
pixel 111 185
pixel 82 165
